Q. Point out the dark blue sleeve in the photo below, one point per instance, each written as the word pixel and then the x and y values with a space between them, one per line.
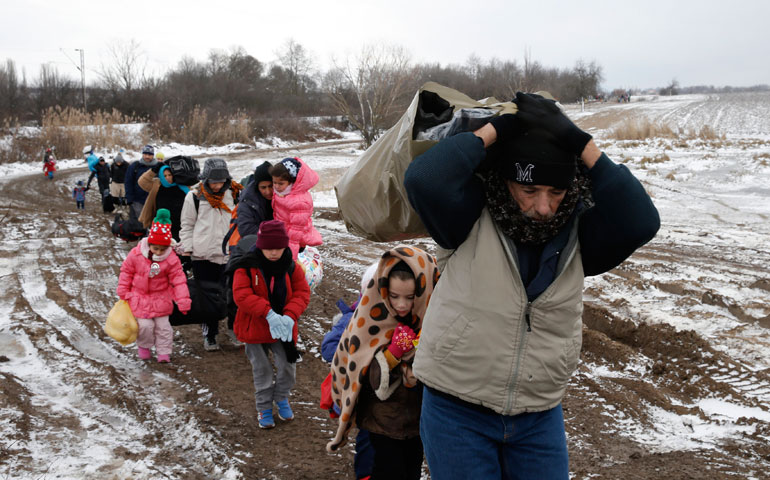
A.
pixel 622 220
pixel 332 338
pixel 128 185
pixel 443 189
pixel 249 219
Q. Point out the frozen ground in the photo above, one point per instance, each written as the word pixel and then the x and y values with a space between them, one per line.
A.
pixel 674 380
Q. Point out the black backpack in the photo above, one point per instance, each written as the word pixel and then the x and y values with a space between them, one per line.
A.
pixel 185 170
pixel 129 230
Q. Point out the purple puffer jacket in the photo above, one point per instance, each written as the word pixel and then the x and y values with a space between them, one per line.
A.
pixel 296 210
pixel 151 297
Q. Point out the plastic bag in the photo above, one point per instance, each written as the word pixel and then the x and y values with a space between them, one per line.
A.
pixel 121 324
pixel 370 195
pixel 310 262
pixel 463 120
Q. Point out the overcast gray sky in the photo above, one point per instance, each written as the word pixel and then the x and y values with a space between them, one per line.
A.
pixel 638 44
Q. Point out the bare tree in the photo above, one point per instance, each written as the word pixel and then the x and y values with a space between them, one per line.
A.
pixel 672 88
pixel 588 76
pixel 127 67
pixel 297 62
pixel 52 89
pixel 12 91
pixel 369 88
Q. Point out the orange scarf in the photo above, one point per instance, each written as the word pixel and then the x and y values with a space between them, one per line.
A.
pixel 215 199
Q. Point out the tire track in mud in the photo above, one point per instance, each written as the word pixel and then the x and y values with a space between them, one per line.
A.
pixel 87 400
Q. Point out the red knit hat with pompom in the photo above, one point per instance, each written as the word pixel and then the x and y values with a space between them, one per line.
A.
pixel 160 230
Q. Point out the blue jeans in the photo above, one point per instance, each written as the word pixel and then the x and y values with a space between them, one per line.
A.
pixel 462 440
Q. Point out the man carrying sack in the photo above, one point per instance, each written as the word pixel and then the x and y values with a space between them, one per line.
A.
pixel 502 334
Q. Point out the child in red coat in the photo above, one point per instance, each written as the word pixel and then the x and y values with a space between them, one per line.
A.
pixel 151 279
pixel 271 293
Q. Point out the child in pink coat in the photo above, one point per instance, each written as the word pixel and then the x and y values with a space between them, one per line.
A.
pixel 293 204
pixel 151 279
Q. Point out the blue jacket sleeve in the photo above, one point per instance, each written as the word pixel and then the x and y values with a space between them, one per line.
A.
pixel 332 338
pixel 443 189
pixel 622 219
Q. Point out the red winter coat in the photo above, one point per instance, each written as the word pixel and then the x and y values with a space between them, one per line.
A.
pixel 153 297
pixel 251 295
pixel 49 166
pixel 296 210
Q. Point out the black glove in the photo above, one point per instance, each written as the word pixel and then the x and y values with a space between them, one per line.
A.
pixel 539 112
pixel 156 168
pixel 507 126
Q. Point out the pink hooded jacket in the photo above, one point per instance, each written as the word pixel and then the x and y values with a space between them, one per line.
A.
pixel 148 295
pixel 296 210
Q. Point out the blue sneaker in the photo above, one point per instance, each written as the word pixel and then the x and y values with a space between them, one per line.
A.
pixel 266 418
pixel 284 410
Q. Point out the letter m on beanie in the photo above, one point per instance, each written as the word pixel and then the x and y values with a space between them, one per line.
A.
pixel 524 175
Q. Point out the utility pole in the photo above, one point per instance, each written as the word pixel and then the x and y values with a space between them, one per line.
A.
pixel 82 69
pixel 83 76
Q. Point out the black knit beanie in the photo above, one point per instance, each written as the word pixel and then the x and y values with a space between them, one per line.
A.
pixel 536 158
pixel 262 174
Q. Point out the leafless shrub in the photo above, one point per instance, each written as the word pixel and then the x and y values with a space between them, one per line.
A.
pixel 297 129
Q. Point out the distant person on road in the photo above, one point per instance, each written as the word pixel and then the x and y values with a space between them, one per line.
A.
pixel 151 280
pixel 255 205
pixel 293 204
pixel 502 335
pixel 373 383
pixel 79 194
pixel 103 176
pixel 204 222
pixel 135 196
pixel 92 160
pixel 118 176
pixel 271 293
pixel 49 164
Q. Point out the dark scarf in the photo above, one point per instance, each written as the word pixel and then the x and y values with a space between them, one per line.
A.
pixel 522 229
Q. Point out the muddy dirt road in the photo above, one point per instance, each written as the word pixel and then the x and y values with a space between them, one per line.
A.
pixel 75 404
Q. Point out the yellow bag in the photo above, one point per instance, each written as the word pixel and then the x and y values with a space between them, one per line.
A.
pixel 121 324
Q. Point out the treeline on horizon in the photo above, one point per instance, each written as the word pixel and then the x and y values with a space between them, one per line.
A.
pixel 234 97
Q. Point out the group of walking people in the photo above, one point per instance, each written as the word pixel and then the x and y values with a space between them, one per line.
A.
pixel 462 359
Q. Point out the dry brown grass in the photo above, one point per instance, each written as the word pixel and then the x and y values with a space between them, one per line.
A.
pixel 660 158
pixel 763 159
pixel 202 128
pixel 636 129
pixel 68 130
pixel 641 129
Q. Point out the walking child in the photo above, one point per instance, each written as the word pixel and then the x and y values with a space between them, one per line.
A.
pixel 49 164
pixel 373 383
pixel 151 280
pixel 271 293
pixel 79 194
pixel 293 204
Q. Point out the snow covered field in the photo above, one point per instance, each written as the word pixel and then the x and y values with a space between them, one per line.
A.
pixel 74 404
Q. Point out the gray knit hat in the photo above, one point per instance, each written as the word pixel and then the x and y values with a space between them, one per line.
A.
pixel 215 170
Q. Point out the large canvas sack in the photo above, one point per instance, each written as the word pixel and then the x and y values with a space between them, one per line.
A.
pixel 208 301
pixel 371 196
